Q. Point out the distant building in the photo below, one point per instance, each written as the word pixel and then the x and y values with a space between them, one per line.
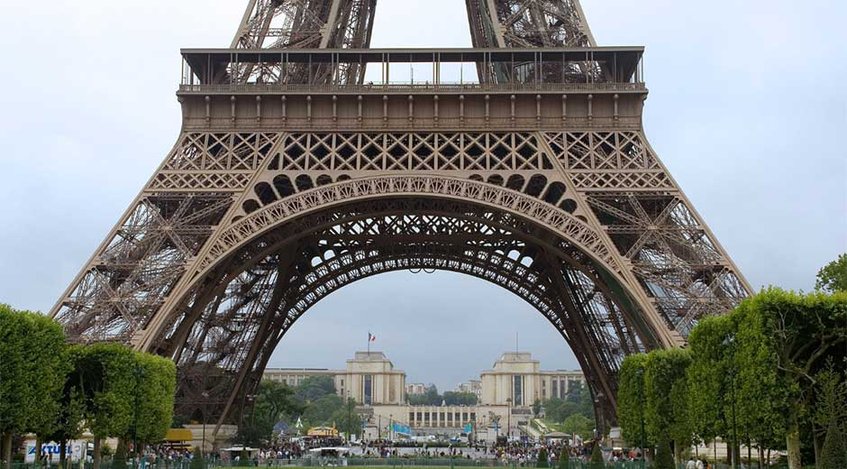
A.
pixel 370 379
pixel 517 380
pixel 413 389
pixel 505 394
pixel 473 386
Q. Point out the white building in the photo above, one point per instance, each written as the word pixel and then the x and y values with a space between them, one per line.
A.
pixel 506 393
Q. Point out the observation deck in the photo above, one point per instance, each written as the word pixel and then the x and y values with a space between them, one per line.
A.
pixel 307 88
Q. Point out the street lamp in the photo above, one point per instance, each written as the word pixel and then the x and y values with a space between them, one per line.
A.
pixel 139 373
pixel 641 411
pixel 509 420
pixel 729 342
pixel 205 395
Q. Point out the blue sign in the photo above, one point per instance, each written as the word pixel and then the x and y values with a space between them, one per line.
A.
pixel 401 429
pixel 468 428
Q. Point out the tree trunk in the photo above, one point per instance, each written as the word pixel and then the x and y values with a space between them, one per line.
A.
pixel 97 456
pixel 63 449
pixel 761 456
pixel 792 441
pixel 39 457
pixel 7 450
pixel 816 442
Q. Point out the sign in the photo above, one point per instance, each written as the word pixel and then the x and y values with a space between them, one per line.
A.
pixel 74 450
pixel 401 429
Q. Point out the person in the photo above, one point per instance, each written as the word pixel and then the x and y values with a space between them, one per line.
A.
pixel 700 464
pixel 691 464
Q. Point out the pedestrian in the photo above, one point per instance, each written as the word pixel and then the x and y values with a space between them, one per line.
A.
pixel 691 464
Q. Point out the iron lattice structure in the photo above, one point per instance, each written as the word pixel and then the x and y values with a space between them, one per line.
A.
pixel 292 178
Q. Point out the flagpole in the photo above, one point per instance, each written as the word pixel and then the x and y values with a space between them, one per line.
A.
pixel 369 344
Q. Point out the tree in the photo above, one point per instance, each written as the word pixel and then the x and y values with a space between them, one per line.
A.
pixel 536 408
pixel 429 397
pixel 197 461
pixel 107 377
pixel 579 424
pixel 667 395
pixel 597 461
pixel 274 402
pixel 708 377
pixel 664 456
pixel 632 400
pixel 542 458
pixel 347 419
pixel 833 276
pixel 786 339
pixel 834 451
pixel 68 423
pixel 564 458
pixel 32 348
pixel 155 387
pixel 459 398
pixel 313 388
pixel 831 416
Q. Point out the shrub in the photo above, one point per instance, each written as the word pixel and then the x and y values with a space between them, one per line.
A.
pixel 542 458
pixel 197 461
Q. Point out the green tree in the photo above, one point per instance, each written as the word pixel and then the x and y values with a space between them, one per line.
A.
pixel 459 398
pixel 542 458
pixel 833 276
pixel 32 348
pixel 313 388
pixel 107 373
pixel 321 411
pixel 579 424
pixel 347 420
pixel 68 423
pixel 564 458
pixel 597 461
pixel 834 451
pixel 632 400
pixel 274 402
pixel 664 456
pixel 430 397
pixel 801 334
pixel 153 399
pixel 708 377
pixel 197 461
pixel 667 395
pixel 831 416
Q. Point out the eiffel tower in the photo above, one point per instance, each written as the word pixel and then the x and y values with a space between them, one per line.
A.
pixel 293 176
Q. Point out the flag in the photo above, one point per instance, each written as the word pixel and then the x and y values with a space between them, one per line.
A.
pixel 371 337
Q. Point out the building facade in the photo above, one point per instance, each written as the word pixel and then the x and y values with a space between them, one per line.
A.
pixel 506 394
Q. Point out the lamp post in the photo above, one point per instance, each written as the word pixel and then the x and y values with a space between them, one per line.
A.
pixel 641 411
pixel 509 420
pixel 729 342
pixel 205 395
pixel 138 375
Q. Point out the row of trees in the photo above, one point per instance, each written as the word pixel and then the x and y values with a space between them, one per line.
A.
pixel 55 390
pixel 574 413
pixel 432 397
pixel 770 374
pixel 314 402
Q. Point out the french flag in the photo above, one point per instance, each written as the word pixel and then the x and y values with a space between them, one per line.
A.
pixel 371 337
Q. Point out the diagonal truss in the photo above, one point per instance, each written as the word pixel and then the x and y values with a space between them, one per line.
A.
pixel 292 179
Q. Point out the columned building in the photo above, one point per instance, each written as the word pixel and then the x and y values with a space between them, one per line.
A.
pixel 517 380
pixel 370 379
pixel 506 394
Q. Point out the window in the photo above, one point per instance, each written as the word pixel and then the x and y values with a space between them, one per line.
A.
pixel 411 418
pixel 473 416
pixel 367 398
pixel 517 399
pixel 555 387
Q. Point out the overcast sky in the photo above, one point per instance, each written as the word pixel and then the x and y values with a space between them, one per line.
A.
pixel 747 108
